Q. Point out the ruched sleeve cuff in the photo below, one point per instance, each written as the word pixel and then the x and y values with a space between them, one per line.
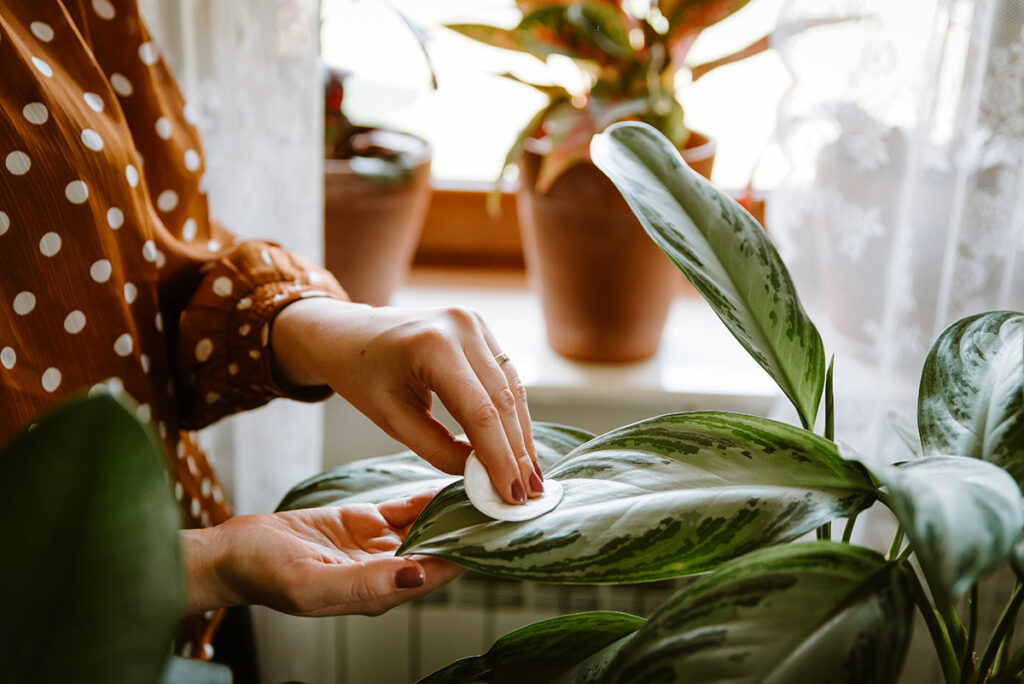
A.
pixel 224 358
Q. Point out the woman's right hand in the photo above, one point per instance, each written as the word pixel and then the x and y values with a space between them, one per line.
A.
pixel 334 560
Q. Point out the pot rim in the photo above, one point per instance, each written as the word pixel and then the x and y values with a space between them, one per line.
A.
pixel 421 154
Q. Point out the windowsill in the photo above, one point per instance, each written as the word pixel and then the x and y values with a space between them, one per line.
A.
pixel 699 366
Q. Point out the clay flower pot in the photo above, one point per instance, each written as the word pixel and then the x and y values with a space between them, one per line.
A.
pixel 605 286
pixel 374 209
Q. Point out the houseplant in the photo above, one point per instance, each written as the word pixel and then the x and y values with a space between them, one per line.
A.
pixel 605 290
pixel 376 193
pixel 92 582
pixel 723 494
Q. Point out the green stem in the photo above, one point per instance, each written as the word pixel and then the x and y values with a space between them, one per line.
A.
pixel 848 530
pixel 830 404
pixel 967 657
pixel 1015 664
pixel 940 637
pixel 1004 650
pixel 896 542
pixel 1006 620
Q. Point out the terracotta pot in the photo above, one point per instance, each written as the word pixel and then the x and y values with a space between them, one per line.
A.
pixel 605 286
pixel 371 223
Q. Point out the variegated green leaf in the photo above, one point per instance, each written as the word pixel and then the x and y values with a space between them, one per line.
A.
pixel 971 401
pixel 821 612
pixel 662 498
pixel 374 480
pixel 540 652
pixel 724 252
pixel 963 516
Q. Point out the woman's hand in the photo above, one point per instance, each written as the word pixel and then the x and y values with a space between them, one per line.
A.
pixel 388 361
pixel 336 560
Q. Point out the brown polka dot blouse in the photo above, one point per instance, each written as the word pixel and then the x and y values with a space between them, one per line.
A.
pixel 111 271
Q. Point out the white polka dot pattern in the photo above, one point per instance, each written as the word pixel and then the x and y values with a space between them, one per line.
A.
pixel 103 9
pixel 122 86
pixel 77 192
pixel 203 350
pixel 115 218
pixel 101 270
pixel 144 413
pixel 94 101
pixel 42 31
pixel 74 322
pixel 8 358
pixel 148 53
pixel 149 251
pixel 51 379
pixel 222 287
pixel 189 230
pixel 192 160
pixel 50 244
pixel 123 345
pixel 24 302
pixel 167 201
pixel 5 222
pixel 92 140
pixel 42 67
pixel 130 292
pixel 18 163
pixel 36 113
pixel 132 175
pixel 163 128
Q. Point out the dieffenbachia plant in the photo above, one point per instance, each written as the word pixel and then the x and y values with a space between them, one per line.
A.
pixel 722 494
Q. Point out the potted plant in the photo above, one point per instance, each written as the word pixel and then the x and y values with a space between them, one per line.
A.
pixel 604 288
pixel 723 495
pixel 376 192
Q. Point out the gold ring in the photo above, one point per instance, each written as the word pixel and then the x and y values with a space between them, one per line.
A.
pixel 500 358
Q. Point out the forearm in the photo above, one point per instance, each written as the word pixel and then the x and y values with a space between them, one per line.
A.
pixel 296 335
pixel 202 556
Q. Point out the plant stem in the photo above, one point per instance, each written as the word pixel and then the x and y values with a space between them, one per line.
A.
pixel 1004 650
pixel 1006 620
pixel 1015 664
pixel 896 542
pixel 825 532
pixel 848 530
pixel 830 403
pixel 940 637
pixel 967 658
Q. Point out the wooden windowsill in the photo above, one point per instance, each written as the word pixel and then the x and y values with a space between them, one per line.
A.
pixel 458 231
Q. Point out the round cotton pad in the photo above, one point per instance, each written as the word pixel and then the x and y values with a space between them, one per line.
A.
pixel 485 497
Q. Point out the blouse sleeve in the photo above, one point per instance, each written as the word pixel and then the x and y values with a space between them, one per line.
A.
pixel 219 294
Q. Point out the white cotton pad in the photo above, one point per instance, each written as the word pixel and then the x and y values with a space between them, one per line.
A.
pixel 485 497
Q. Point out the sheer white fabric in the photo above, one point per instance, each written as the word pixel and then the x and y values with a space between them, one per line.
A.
pixel 904 204
pixel 903 209
pixel 250 70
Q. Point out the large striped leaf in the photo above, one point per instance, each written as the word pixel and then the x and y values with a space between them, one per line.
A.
pixel 963 516
pixel 971 401
pixel 818 612
pixel 538 653
pixel 661 498
pixel 724 252
pixel 374 480
pixel 92 584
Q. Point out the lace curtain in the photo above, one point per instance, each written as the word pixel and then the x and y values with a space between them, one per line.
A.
pixel 903 209
pixel 250 70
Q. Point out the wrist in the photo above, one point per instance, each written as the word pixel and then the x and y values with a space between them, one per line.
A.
pixel 296 335
pixel 204 574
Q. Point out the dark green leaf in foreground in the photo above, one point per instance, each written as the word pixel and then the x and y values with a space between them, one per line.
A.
pixel 374 480
pixel 91 584
pixel 724 252
pixel 964 517
pixel 538 653
pixel 820 612
pixel 971 401
pixel 661 498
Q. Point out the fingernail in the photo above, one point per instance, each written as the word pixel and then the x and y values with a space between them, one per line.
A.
pixel 536 469
pixel 409 577
pixel 518 493
pixel 535 484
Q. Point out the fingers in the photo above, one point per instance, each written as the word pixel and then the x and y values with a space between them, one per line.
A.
pixel 373 586
pixel 400 513
pixel 495 383
pixel 412 425
pixel 518 389
pixel 459 388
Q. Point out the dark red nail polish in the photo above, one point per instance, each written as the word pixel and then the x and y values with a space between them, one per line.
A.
pixel 536 469
pixel 409 577
pixel 518 492
pixel 535 484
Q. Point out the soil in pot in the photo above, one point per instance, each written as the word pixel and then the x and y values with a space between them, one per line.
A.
pixel 374 206
pixel 605 286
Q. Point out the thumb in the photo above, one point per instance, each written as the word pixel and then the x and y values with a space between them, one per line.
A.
pixel 370 581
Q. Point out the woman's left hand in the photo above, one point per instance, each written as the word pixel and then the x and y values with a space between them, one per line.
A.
pixel 334 560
